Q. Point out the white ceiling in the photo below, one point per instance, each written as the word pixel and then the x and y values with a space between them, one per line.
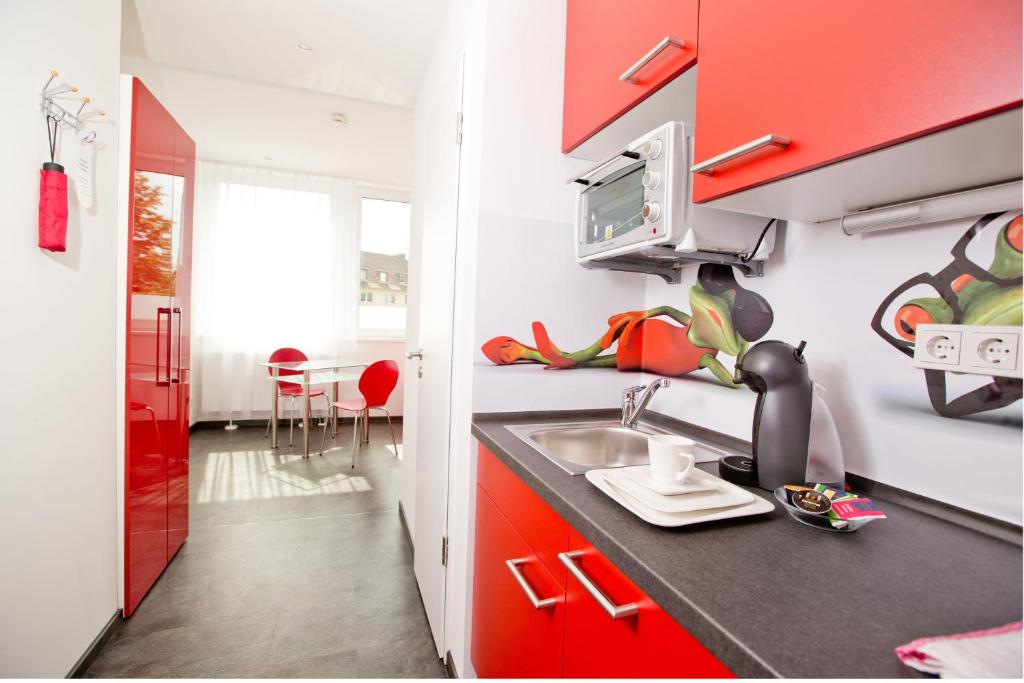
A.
pixel 256 124
pixel 376 50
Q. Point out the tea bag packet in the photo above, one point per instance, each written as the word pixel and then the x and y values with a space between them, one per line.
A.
pixel 846 507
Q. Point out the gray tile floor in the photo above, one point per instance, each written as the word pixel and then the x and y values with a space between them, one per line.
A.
pixel 293 568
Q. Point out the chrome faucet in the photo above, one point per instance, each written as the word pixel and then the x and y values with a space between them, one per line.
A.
pixel 632 407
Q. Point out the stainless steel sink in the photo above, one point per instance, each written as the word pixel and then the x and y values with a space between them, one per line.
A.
pixel 577 447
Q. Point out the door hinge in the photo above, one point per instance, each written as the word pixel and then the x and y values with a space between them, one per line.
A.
pixel 458 128
pixel 444 551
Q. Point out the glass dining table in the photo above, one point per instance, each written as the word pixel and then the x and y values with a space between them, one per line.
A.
pixel 306 374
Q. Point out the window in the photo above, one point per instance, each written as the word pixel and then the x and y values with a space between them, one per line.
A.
pixel 384 234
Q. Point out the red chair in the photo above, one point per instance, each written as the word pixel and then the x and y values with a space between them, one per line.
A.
pixel 293 391
pixel 375 384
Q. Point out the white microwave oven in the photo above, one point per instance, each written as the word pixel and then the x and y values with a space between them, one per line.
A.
pixel 640 197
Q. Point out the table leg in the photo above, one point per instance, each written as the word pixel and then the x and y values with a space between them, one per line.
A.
pixel 273 410
pixel 334 411
pixel 305 414
pixel 366 426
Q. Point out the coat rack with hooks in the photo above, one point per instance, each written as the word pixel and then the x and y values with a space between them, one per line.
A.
pixel 64 116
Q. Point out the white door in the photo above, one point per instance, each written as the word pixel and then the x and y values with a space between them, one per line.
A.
pixel 438 195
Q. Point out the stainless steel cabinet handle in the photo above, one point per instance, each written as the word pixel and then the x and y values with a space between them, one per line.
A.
pixel 629 75
pixel 613 610
pixel 176 380
pixel 409 355
pixel 770 140
pixel 162 381
pixel 513 566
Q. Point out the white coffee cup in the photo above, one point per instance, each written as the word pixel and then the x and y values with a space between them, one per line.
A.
pixel 672 458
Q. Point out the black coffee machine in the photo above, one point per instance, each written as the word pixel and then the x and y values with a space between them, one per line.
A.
pixel 777 372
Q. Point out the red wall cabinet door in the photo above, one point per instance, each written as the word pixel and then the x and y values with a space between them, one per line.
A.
pixel 512 638
pixel 647 644
pixel 603 39
pixel 843 78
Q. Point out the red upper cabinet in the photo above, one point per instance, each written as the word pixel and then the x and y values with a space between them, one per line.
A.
pixel 603 40
pixel 518 610
pixel 640 641
pixel 838 79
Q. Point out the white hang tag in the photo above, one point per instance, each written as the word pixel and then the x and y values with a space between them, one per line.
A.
pixel 83 168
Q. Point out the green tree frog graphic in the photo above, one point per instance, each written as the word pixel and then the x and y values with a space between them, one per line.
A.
pixel 725 318
pixel 965 293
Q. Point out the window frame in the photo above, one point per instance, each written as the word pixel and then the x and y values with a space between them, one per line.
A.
pixel 387 195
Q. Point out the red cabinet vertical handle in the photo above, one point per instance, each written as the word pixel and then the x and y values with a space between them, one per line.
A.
pixel 177 376
pixel 538 603
pixel 165 380
pixel 613 610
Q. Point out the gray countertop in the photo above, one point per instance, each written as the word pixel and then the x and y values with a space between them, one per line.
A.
pixel 771 597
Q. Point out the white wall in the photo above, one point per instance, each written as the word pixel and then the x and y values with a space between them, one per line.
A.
pixel 525 265
pixel 245 122
pixel 57 498
pixel 461 40
pixel 522 268
pixel 824 288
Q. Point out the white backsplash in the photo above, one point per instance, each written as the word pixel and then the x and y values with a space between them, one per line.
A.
pixel 824 288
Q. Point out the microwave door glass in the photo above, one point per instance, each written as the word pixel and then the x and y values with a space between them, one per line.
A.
pixel 614 205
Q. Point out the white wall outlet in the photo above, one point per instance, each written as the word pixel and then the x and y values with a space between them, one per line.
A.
pixel 993 350
pixel 974 349
pixel 937 346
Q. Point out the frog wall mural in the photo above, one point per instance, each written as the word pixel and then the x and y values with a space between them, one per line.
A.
pixel 982 286
pixel 725 318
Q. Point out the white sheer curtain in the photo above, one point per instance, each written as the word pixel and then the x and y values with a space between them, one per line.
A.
pixel 275 263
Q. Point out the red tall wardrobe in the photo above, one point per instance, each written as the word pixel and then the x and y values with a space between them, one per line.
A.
pixel 162 177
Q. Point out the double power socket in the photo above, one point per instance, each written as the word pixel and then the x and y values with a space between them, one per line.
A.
pixel 972 349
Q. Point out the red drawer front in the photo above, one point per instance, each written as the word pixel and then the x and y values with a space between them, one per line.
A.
pixel 511 637
pixel 542 528
pixel 603 38
pixel 844 78
pixel 649 644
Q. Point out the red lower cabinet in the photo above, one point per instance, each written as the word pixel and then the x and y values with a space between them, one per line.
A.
pixel 518 606
pixel 589 622
pixel 628 636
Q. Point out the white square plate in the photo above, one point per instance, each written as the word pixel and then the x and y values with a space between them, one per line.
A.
pixel 724 495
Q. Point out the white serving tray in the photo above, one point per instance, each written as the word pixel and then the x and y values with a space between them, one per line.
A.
pixel 757 506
